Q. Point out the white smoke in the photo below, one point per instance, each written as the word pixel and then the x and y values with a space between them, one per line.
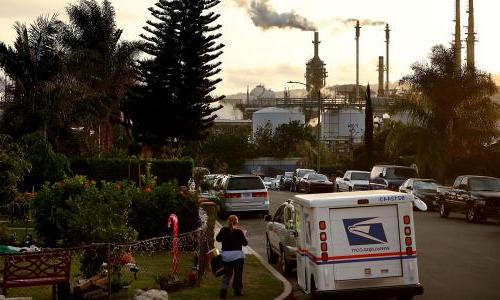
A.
pixel 264 15
pixel 362 22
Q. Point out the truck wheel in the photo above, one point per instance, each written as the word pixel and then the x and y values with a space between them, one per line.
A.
pixel 471 214
pixel 271 256
pixel 444 211
pixel 284 265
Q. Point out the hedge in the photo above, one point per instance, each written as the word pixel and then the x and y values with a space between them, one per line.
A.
pixel 115 169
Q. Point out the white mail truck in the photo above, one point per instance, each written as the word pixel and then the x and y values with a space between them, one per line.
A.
pixel 355 244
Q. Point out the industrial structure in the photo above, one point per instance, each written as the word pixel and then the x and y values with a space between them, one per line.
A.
pixel 387 41
pixel 471 37
pixel 315 71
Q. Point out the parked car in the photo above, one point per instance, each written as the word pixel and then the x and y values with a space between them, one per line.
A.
pixel 353 181
pixel 242 193
pixel 315 183
pixel 280 238
pixel 423 189
pixel 476 196
pixel 297 175
pixel 268 182
pixel 389 177
pixel 286 181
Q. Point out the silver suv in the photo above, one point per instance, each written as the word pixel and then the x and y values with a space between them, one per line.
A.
pixel 243 193
pixel 281 238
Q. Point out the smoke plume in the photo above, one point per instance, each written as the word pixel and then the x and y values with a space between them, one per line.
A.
pixel 362 22
pixel 264 15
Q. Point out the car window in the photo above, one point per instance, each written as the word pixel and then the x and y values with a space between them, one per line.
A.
pixel 425 185
pixel 245 183
pixel 316 177
pixel 400 173
pixel 464 181
pixel 360 176
pixel 485 184
pixel 303 172
pixel 288 174
pixel 278 215
pixel 376 172
pixel 347 175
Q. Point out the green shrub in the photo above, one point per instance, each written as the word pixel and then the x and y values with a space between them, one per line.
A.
pixel 46 164
pixel 115 169
pixel 151 210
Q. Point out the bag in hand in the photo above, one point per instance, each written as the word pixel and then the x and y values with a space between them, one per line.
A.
pixel 217 266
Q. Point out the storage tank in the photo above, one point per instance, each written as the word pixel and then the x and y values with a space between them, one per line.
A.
pixel 275 116
pixel 339 125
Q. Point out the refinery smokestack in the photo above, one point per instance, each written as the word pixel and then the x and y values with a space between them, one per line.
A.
pixel 380 76
pixel 387 41
pixel 357 27
pixel 316 44
pixel 458 37
pixel 471 39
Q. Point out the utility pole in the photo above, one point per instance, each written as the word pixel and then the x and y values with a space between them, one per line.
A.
pixel 357 27
pixel 319 131
pixel 387 41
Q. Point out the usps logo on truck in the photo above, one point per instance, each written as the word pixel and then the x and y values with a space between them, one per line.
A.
pixel 364 231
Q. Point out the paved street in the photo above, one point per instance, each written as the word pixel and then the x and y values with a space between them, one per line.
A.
pixel 457 260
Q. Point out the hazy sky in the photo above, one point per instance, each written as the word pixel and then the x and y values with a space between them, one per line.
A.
pixel 274 56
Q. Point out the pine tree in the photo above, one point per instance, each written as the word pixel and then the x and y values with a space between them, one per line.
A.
pixel 173 101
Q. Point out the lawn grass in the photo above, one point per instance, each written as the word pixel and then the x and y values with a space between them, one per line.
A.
pixel 258 283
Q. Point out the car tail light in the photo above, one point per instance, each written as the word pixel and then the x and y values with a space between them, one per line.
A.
pixel 407 230
pixel 232 195
pixel 324 246
pixel 409 250
pixel 324 256
pixel 322 225
pixel 408 241
pixel 406 219
pixel 363 201
pixel 259 194
pixel 322 236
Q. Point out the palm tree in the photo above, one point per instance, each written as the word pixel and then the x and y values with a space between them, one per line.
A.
pixel 101 63
pixel 34 65
pixel 450 110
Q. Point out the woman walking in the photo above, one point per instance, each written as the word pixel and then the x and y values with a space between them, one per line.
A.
pixel 232 240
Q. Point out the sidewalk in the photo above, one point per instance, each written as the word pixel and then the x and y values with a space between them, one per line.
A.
pixel 287 287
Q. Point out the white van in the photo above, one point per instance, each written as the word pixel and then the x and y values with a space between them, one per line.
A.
pixel 357 243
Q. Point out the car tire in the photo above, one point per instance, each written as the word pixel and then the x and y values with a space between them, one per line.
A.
pixel 444 211
pixel 471 214
pixel 284 264
pixel 405 297
pixel 350 189
pixel 271 256
pixel 338 188
pixel 314 292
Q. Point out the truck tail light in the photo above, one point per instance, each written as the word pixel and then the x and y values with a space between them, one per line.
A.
pixel 322 225
pixel 324 256
pixel 407 230
pixel 406 219
pixel 322 236
pixel 408 241
pixel 259 194
pixel 232 195
pixel 409 250
pixel 324 246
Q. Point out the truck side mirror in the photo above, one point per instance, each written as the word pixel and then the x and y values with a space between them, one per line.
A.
pixel 381 175
pixel 268 218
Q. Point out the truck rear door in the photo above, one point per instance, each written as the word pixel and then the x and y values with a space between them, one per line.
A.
pixel 366 242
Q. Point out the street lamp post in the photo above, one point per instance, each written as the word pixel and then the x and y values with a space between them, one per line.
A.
pixel 319 122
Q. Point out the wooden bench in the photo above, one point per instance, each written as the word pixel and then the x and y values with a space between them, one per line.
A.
pixel 36 268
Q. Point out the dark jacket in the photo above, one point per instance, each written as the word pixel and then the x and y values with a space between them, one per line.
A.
pixel 231 239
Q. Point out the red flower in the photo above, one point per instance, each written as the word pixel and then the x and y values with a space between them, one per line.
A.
pixel 118 186
pixel 61 184
pixel 148 189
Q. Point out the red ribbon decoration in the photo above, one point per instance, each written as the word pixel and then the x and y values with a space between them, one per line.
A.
pixel 173 221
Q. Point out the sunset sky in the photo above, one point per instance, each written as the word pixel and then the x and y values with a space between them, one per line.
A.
pixel 274 56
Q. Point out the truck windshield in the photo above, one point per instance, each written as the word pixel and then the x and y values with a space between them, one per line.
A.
pixel 317 177
pixel 303 172
pixel 484 184
pixel 400 173
pixel 245 183
pixel 360 176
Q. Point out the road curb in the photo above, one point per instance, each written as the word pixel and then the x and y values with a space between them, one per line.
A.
pixel 287 287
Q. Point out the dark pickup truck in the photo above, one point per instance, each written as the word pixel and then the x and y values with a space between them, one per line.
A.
pixel 476 196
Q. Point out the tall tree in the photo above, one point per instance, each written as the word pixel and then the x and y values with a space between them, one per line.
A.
pixel 451 112
pixel 369 127
pixel 173 101
pixel 34 65
pixel 101 62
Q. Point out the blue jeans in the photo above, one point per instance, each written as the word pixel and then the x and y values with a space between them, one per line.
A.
pixel 233 267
